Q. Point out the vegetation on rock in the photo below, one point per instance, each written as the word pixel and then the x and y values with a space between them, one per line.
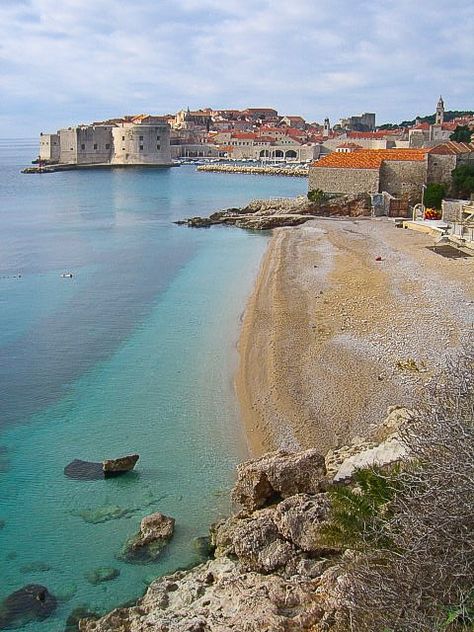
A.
pixel 463 181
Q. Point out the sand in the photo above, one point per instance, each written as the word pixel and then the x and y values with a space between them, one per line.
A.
pixel 331 337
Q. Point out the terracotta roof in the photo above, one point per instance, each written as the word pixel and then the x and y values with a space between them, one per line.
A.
pixel 349 146
pixel 452 148
pixel 244 135
pixel 422 126
pixel 368 158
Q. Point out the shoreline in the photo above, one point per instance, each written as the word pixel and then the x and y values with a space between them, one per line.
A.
pixel 329 333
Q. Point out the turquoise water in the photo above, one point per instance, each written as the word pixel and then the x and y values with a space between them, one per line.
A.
pixel 136 353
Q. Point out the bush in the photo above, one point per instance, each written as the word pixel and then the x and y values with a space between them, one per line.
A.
pixel 462 134
pixel 463 180
pixel 434 195
pixel 317 196
pixel 416 570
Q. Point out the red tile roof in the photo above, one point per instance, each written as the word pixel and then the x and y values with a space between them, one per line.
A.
pixel 244 135
pixel 368 158
pixel 452 148
pixel 349 146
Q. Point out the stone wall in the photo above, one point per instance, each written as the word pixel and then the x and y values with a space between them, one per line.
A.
pixel 49 147
pixel 344 181
pixel 141 144
pixel 94 145
pixel 440 167
pixel 403 178
pixel 68 146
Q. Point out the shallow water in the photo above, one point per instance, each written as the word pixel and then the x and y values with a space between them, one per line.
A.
pixel 135 353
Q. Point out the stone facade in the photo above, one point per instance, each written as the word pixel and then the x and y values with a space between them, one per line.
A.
pixel 49 147
pixel 118 144
pixel 344 181
pixel 403 178
pixel 440 167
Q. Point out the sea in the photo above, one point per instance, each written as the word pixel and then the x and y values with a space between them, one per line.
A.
pixel 136 353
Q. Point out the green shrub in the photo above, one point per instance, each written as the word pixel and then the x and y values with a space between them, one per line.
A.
pixel 317 196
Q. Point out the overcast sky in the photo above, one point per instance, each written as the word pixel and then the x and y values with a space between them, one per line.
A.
pixel 70 61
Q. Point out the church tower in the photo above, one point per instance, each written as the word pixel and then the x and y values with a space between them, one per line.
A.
pixel 440 112
pixel 327 127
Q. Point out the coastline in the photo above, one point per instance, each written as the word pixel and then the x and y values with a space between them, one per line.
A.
pixel 329 333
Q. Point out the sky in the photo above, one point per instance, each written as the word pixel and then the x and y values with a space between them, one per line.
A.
pixel 64 62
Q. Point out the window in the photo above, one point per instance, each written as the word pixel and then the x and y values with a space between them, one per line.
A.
pixel 83 146
pixel 141 147
pixel 141 138
pixel 157 138
pixel 123 137
pixel 107 146
pixel 158 146
pixel 95 145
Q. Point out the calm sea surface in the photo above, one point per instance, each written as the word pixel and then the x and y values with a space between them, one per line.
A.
pixel 135 353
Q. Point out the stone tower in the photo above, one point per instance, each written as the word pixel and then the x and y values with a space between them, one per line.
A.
pixel 327 127
pixel 440 112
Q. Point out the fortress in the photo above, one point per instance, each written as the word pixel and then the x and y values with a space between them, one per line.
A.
pixel 141 140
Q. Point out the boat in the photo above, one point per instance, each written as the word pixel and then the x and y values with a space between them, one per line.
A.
pixel 66 275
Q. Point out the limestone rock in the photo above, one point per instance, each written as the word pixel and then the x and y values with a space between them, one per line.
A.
pixel 299 519
pixel 114 467
pixel 30 603
pixel 102 574
pixel 277 475
pixel 217 597
pixel 155 532
pixel 84 470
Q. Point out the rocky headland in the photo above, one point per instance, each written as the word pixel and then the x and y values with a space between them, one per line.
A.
pixel 271 567
pixel 267 214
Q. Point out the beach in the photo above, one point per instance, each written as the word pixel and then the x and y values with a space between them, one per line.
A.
pixel 347 318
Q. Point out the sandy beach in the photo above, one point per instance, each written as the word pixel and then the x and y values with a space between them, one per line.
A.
pixel 331 337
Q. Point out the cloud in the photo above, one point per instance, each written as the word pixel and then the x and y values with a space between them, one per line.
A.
pixel 63 63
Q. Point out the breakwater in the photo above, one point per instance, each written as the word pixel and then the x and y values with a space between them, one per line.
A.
pixel 301 172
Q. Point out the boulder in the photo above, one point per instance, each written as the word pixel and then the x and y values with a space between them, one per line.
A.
pixel 278 475
pixel 299 520
pixel 115 467
pixel 31 603
pixel 81 612
pixel 102 574
pixel 155 532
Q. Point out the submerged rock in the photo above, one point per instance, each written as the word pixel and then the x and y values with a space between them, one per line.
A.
pixel 31 603
pixel 84 470
pixel 35 567
pixel 102 574
pixel 115 467
pixel 104 513
pixel 277 475
pixel 66 592
pixel 155 532
pixel 2 523
pixel 81 612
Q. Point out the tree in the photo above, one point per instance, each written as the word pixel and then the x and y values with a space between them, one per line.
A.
pixel 462 134
pixel 463 180
pixel 434 195
pixel 317 196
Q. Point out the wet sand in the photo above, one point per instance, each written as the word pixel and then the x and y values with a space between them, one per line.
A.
pixel 331 337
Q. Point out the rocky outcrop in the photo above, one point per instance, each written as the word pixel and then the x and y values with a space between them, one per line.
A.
pixel 31 603
pixel 272 569
pixel 155 532
pixel 102 574
pixel 277 475
pixel 114 467
pixel 268 214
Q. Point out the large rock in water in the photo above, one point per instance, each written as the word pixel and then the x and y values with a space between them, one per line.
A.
pixel 31 603
pixel 278 475
pixel 91 470
pixel 114 467
pixel 155 532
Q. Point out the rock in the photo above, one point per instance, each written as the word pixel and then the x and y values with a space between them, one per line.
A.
pixel 84 470
pixel 277 475
pixel 102 574
pixel 35 567
pixel 104 514
pixel 81 612
pixel 31 603
pixel 90 470
pixel 155 532
pixel 387 453
pixel 299 520
pixel 115 467
pixel 217 597
pixel 203 547
pixel 2 523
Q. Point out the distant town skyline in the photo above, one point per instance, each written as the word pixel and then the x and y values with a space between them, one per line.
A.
pixel 78 61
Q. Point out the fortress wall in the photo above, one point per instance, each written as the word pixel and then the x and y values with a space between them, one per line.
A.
pixel 141 144
pixel 49 147
pixel 346 181
pixel 94 145
pixel 403 178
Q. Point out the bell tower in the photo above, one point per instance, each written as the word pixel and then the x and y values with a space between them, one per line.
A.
pixel 327 127
pixel 440 112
